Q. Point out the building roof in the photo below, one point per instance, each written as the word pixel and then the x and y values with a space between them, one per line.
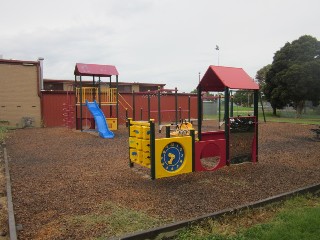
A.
pixel 21 62
pixel 217 78
pixel 46 80
pixel 83 69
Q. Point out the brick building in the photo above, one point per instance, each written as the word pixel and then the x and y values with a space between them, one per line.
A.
pixel 20 102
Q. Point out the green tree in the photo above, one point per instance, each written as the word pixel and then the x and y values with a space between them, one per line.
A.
pixel 294 75
pixel 243 98
pixel 194 91
pixel 261 76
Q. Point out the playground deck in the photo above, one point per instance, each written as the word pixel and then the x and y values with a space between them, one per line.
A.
pixel 59 174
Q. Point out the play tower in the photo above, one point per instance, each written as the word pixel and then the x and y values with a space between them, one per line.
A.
pixel 96 99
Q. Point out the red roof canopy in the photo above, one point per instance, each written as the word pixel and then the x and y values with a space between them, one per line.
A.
pixel 83 69
pixel 218 77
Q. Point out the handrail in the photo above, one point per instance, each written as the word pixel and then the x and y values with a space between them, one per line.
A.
pixel 122 98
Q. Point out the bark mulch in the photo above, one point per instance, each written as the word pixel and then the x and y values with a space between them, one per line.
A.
pixel 59 173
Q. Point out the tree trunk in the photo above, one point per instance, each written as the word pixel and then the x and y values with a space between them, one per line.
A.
pixel 300 106
pixel 274 111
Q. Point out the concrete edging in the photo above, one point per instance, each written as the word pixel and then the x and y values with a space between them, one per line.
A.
pixel 171 229
pixel 11 219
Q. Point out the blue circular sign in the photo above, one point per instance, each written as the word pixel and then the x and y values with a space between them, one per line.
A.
pixel 172 156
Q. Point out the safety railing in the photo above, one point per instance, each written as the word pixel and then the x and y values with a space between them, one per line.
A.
pixel 107 96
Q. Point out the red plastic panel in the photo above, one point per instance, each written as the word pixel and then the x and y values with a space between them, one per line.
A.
pixel 214 135
pixel 210 148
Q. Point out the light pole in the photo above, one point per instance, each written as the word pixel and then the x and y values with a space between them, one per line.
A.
pixel 218 49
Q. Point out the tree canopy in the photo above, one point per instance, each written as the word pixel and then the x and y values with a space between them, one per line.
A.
pixel 261 76
pixel 243 98
pixel 294 75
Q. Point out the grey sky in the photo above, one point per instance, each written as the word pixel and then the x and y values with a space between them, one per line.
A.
pixel 163 41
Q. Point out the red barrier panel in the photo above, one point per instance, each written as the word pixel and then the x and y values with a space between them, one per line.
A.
pixel 210 149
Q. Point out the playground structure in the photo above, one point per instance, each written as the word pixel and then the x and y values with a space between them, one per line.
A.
pixel 95 97
pixel 171 156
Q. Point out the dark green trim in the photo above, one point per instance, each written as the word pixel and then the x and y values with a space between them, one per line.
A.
pixel 159 107
pixel 131 164
pixel 134 105
pixel 256 113
pixel 117 106
pixel 167 131
pixel 99 92
pixel 81 104
pixel 189 108
pixel 152 150
pixel 75 90
pixel 176 103
pixel 226 122
pixel 149 105
pixel 219 106
pixel 264 116
pixel 110 106
pixel 231 104
pixel 199 111
pixel 192 134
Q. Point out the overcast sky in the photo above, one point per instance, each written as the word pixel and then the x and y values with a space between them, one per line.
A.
pixel 153 41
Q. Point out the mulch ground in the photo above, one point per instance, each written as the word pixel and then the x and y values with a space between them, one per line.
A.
pixel 58 173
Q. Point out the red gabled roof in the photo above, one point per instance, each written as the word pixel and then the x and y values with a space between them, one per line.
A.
pixel 218 77
pixel 83 69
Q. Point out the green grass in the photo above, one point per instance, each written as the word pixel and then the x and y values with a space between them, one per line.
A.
pixel 3 131
pixel 311 117
pixel 305 119
pixel 112 220
pixel 297 218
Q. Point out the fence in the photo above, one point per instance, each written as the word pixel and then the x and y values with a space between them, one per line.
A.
pixel 54 102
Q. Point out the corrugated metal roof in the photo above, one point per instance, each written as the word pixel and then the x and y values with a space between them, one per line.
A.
pixel 217 78
pixel 83 69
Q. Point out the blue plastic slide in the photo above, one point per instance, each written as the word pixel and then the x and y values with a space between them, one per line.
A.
pixel 101 123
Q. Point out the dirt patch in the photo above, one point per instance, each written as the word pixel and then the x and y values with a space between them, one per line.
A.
pixel 58 175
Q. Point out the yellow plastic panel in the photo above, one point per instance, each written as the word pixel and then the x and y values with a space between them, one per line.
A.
pixel 133 131
pixel 173 156
pixel 138 131
pixel 145 145
pixel 140 156
pixel 140 123
pixel 132 142
pixel 112 123
pixel 133 154
pixel 146 159
pixel 139 144
pixel 146 132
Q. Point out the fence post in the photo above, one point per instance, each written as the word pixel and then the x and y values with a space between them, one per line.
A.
pixel 134 105
pixel 159 107
pixel 148 104
pixel 189 109
pixel 152 150
pixel 176 103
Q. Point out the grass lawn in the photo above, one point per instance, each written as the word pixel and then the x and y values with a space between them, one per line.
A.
pixel 3 130
pixel 297 218
pixel 283 116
